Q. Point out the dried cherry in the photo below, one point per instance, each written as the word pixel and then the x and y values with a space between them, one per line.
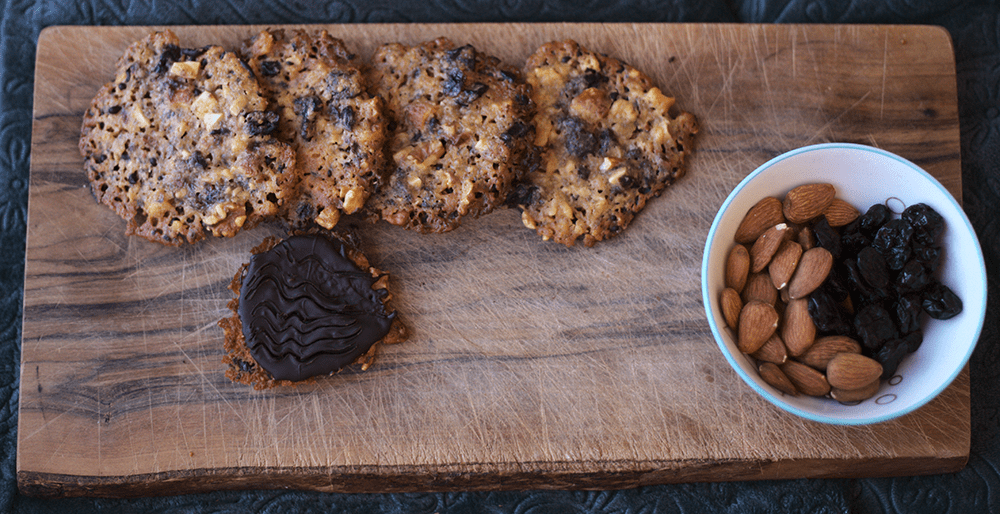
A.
pixel 940 302
pixel 926 222
pixel 873 219
pixel 873 269
pixel 874 326
pixel 826 236
pixel 893 242
pixel 907 311
pixel 913 278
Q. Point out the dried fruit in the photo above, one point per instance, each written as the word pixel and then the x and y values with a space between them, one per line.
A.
pixel 763 215
pixel 772 374
pixel 814 266
pixel 940 302
pixel 758 321
pixel 852 371
pixel 731 305
pixel 807 380
pixel 805 202
pixel 737 267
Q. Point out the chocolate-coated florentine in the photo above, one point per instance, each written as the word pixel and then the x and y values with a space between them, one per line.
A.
pixel 308 310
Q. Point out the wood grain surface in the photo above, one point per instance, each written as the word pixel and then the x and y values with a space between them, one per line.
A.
pixel 530 365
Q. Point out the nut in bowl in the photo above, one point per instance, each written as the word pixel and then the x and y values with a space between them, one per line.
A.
pixel 841 181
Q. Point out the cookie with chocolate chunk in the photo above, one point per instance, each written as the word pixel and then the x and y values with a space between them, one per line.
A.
pixel 179 144
pixel 609 141
pixel 305 306
pixel 461 128
pixel 324 110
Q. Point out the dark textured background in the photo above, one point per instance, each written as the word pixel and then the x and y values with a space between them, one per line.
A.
pixel 975 29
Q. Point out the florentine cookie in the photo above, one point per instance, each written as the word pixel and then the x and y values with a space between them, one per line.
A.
pixel 325 110
pixel 178 144
pixel 462 122
pixel 306 306
pixel 608 143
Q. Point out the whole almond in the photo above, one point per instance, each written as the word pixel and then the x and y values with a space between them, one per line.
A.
pixel 807 380
pixel 813 268
pixel 784 262
pixel 773 351
pixel 807 201
pixel 840 213
pixel 856 395
pixel 731 305
pixel 852 371
pixel 763 215
pixel 772 374
pixel 758 321
pixel 798 330
pixel 760 288
pixel 766 245
pixel 737 267
pixel 824 348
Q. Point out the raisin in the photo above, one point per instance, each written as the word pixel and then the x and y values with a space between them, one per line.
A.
pixel 872 220
pixel 344 117
pixel 827 237
pixel 270 68
pixel 928 256
pixel 889 356
pixel 472 93
pixel 851 238
pixel 580 142
pixel 874 326
pixel 170 55
pixel 828 315
pixel 912 278
pixel 873 268
pixel 452 86
pixel 926 222
pixel 906 308
pixel 940 302
pixel 464 55
pixel 893 242
pixel 262 123
pixel 306 108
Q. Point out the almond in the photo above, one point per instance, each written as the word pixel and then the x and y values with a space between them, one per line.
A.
pixel 762 216
pixel 731 305
pixel 773 375
pixel 784 262
pixel 840 213
pixel 773 351
pixel 798 330
pixel 814 266
pixel 852 371
pixel 766 245
pixel 807 380
pixel 856 395
pixel 737 267
pixel 806 238
pixel 758 321
pixel 807 201
pixel 760 288
pixel 824 348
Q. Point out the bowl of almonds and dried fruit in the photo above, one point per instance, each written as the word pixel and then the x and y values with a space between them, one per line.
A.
pixel 844 284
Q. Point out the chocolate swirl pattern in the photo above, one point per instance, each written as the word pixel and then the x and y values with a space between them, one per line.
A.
pixel 307 310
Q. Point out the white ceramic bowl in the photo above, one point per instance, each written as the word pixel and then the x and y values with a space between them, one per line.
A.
pixel 863 176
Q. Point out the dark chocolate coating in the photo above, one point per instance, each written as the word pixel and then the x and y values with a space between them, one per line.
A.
pixel 308 310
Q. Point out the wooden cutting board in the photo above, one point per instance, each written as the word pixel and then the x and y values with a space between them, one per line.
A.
pixel 530 365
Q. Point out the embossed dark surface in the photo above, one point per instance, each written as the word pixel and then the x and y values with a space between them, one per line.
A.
pixel 308 310
pixel 973 25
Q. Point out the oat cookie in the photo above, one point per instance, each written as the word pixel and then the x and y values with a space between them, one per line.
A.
pixel 609 141
pixel 306 306
pixel 324 109
pixel 178 144
pixel 462 126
